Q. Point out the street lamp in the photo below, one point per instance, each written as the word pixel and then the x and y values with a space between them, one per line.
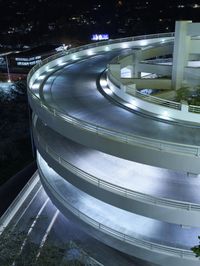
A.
pixel 8 71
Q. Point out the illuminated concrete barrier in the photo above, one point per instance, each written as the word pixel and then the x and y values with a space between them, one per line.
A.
pixel 162 208
pixel 113 235
pixel 123 144
pixel 88 50
pixel 155 106
pixel 132 147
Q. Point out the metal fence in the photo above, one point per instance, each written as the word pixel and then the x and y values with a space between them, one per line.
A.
pixel 94 45
pixel 144 97
pixel 106 132
pixel 12 209
pixel 127 193
pixel 136 241
pixel 137 140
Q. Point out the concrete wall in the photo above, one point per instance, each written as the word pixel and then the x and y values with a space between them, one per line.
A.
pixel 157 153
pixel 141 204
pixel 140 249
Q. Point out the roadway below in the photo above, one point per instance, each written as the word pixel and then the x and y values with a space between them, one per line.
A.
pixel 39 219
pixel 14 185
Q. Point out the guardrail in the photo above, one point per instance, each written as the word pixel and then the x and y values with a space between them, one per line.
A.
pixel 94 45
pixel 105 132
pixel 156 100
pixel 145 97
pixel 157 61
pixel 117 234
pixel 120 136
pixel 127 193
pixel 194 109
pixel 12 209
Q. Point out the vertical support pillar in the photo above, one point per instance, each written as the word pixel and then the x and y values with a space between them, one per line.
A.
pixel 136 60
pixel 181 53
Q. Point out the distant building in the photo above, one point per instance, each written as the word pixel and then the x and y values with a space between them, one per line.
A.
pixel 30 57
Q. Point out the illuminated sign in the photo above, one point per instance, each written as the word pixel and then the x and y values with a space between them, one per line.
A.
pixel 28 61
pixel 99 37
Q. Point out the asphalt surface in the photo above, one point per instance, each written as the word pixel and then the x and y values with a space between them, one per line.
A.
pixel 125 222
pixel 153 181
pixel 73 90
pixel 14 185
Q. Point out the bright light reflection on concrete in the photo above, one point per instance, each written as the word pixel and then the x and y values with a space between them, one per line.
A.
pixel 118 219
pixel 103 83
pixel 62 63
pixel 143 43
pixel 41 77
pixel 108 91
pixel 124 45
pixel 129 105
pixel 35 86
pixel 90 52
pixel 194 63
pixel 74 57
pixel 143 74
pixel 146 179
pixel 49 69
pixel 165 114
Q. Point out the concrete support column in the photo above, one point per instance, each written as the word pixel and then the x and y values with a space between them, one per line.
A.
pixel 181 53
pixel 136 61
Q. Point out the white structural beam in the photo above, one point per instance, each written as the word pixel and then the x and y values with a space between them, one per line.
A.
pixel 181 53
pixel 193 29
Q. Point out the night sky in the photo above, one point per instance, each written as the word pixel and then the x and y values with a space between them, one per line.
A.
pixel 50 19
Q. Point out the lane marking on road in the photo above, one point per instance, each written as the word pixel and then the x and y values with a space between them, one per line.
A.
pixel 31 228
pixel 47 232
pixel 18 201
pixel 27 206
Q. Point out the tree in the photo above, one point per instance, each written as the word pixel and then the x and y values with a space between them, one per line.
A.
pixel 191 95
pixel 196 249
pixel 183 94
pixel 10 243
pixel 12 253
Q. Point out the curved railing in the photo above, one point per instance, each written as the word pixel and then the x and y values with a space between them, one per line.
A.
pixel 120 136
pixel 94 45
pixel 105 132
pixel 127 193
pixel 18 201
pixel 157 61
pixel 194 109
pixel 145 97
pixel 114 233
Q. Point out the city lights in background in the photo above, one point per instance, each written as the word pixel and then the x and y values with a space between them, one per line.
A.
pixel 100 37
